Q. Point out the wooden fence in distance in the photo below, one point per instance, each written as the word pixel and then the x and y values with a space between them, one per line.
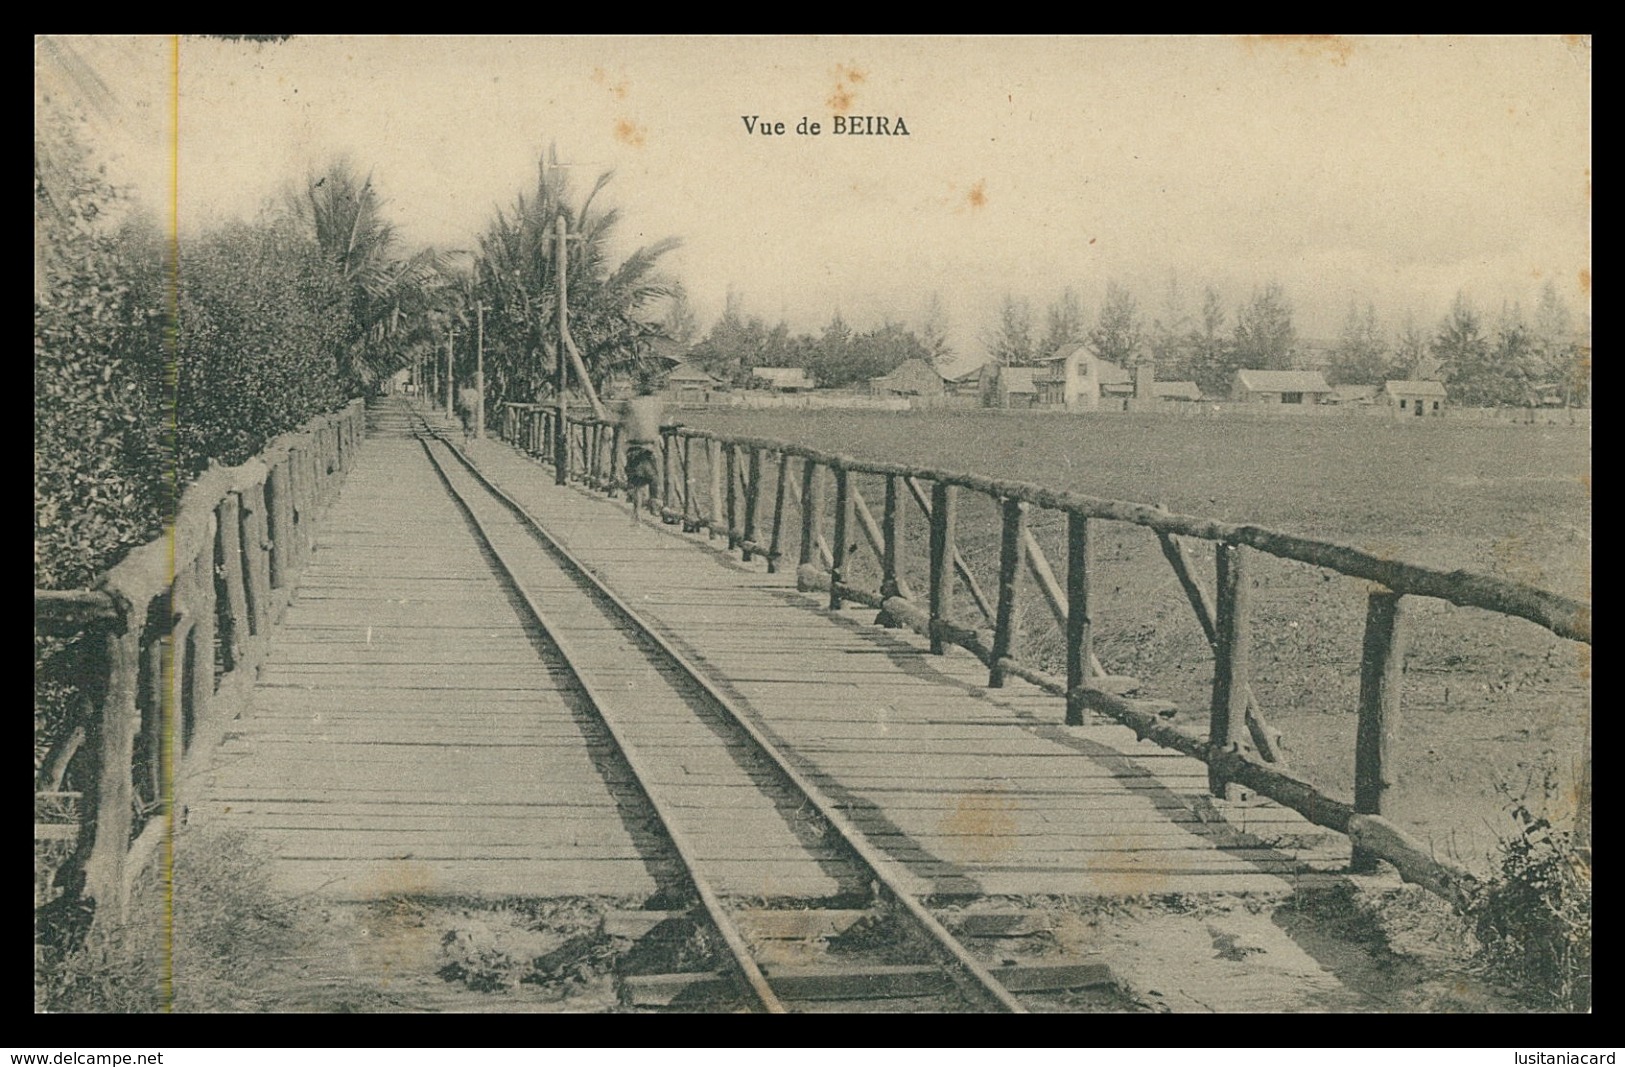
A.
pixel 170 640
pixel 744 489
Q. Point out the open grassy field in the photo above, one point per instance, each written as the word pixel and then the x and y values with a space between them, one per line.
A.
pixel 1493 705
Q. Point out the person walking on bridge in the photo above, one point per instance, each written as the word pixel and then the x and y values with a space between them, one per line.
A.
pixel 640 428
pixel 468 406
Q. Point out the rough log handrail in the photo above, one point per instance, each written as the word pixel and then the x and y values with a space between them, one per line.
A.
pixel 1233 713
pixel 156 626
pixel 1562 615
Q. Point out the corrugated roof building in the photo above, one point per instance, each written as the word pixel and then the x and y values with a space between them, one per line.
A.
pixel 689 384
pixel 1280 387
pixel 1176 391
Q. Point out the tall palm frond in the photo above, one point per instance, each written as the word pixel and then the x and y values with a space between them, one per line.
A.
pixel 516 280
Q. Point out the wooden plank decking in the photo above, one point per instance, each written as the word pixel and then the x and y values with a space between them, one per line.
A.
pixel 407 737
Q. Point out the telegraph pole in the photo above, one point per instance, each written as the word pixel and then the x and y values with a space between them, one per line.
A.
pixel 561 429
pixel 451 335
pixel 479 372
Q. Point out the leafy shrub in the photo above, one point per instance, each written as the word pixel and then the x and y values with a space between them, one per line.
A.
pixel 263 317
pixel 99 470
pixel 1534 918
pixel 129 402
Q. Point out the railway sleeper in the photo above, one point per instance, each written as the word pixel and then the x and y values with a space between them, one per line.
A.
pixel 832 955
pixel 818 982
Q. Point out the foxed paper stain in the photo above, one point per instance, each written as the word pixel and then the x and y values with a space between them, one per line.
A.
pixel 618 89
pixel 842 96
pixel 981 827
pixel 630 133
pixel 1328 46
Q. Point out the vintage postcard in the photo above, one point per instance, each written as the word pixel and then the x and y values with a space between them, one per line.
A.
pixel 689 523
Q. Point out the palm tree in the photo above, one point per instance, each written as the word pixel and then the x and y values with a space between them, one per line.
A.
pixel 391 296
pixel 516 279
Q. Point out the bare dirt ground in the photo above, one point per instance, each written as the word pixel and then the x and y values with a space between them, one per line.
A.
pixel 1372 946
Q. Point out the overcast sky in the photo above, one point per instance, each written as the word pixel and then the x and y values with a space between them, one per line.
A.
pixel 1396 170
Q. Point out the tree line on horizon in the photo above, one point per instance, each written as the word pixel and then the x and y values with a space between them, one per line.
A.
pixel 1511 361
pixel 1508 361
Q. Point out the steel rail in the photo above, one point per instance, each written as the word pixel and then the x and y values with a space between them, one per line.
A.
pixel 969 973
pixel 739 953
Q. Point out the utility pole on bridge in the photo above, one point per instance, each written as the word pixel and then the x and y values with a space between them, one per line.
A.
pixel 451 378
pixel 479 371
pixel 561 429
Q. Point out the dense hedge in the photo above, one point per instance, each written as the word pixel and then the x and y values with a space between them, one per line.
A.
pixel 137 386
pixel 100 476
pixel 263 318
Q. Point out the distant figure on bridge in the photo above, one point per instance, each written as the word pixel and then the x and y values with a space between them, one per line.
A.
pixel 640 428
pixel 468 406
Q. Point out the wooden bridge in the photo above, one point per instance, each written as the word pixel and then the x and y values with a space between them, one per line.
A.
pixel 348 675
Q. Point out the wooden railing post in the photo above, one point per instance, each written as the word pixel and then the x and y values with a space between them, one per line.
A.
pixel 843 528
pixel 667 441
pixel 1012 548
pixel 1382 670
pixel 150 736
pixel 278 504
pixel 944 512
pixel 1232 663
pixel 200 604
pixel 299 498
pixel 117 725
pixel 891 525
pixel 1265 738
pixel 812 508
pixel 713 455
pixel 779 489
pixel 691 507
pixel 959 564
pixel 228 554
pixel 561 447
pixel 256 548
pixel 1079 622
pixel 595 470
pixel 753 492
pixel 616 479
pixel 730 473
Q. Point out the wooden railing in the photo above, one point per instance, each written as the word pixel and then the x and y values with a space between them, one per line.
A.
pixel 168 645
pixel 744 489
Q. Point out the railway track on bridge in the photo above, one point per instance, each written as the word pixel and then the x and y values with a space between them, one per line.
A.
pixel 723 794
